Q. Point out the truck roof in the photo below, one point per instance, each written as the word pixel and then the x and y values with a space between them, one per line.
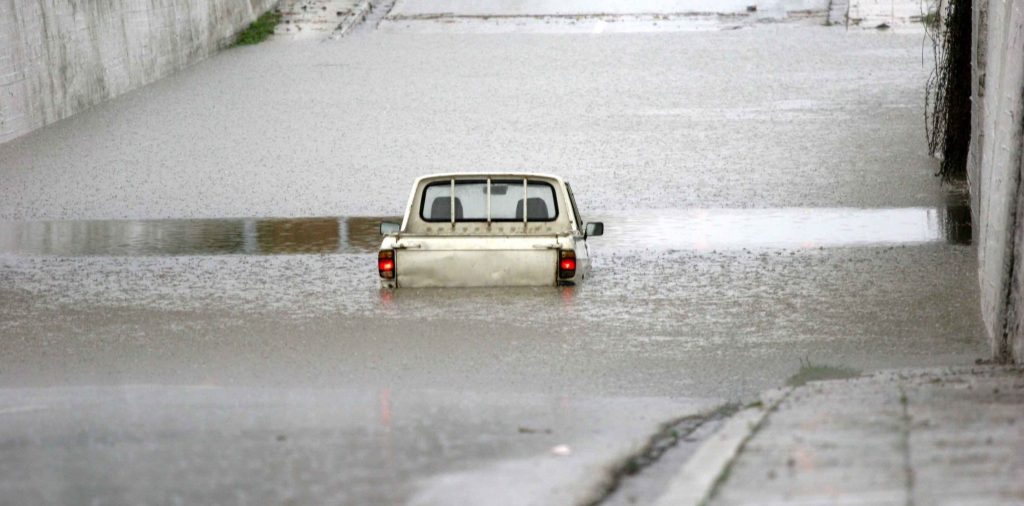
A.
pixel 492 175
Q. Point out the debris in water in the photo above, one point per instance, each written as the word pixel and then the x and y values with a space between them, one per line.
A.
pixel 561 450
pixel 530 430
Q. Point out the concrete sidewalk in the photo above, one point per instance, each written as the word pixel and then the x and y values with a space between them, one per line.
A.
pixel 949 436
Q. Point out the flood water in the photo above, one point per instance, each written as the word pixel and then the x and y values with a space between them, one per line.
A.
pixel 692 229
pixel 768 201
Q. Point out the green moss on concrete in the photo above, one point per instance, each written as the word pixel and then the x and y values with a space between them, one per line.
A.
pixel 816 372
pixel 259 30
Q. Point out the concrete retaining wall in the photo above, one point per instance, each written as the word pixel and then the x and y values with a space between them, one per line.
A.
pixel 995 169
pixel 59 57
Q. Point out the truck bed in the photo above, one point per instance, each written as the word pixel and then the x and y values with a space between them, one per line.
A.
pixel 467 261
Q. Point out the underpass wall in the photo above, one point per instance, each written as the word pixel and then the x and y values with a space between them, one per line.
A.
pixel 59 57
pixel 995 169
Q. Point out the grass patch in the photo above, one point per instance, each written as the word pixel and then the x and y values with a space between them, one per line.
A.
pixel 259 30
pixel 817 372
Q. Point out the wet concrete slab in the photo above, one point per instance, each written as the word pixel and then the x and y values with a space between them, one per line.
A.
pixel 939 436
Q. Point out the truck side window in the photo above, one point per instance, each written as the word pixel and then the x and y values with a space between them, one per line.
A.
pixel 575 211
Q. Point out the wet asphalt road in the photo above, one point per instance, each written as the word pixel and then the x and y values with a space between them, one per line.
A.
pixel 289 378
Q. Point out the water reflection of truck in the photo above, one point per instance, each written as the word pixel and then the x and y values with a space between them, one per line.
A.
pixel 487 229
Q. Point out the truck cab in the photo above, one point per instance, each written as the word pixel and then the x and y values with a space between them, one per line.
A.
pixel 487 229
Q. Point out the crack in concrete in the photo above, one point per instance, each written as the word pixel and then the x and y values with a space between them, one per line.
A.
pixel 657 445
pixel 908 468
pixel 1004 350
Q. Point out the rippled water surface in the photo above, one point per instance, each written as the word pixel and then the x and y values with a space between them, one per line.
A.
pixel 768 198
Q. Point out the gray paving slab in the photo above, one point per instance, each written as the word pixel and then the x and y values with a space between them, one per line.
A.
pixel 935 436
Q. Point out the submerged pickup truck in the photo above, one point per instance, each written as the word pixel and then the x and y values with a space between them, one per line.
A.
pixel 487 229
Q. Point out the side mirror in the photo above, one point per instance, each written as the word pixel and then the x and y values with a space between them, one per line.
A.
pixel 594 228
pixel 387 228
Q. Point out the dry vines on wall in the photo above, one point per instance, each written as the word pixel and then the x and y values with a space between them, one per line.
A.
pixel 948 90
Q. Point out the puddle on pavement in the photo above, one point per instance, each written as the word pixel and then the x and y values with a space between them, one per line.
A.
pixel 692 229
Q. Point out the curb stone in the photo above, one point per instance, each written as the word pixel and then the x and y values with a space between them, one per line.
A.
pixel 695 482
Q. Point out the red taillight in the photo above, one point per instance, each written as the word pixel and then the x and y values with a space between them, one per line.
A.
pixel 566 264
pixel 386 264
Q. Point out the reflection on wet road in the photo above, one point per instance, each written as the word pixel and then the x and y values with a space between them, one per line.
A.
pixel 694 229
pixel 732 229
pixel 191 237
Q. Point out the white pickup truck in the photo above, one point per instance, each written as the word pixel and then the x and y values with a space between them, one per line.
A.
pixel 487 229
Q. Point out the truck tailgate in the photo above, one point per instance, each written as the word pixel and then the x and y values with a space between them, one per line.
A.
pixel 476 261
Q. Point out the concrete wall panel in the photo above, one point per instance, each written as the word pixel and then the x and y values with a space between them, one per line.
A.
pixel 59 57
pixel 1001 202
pixel 978 26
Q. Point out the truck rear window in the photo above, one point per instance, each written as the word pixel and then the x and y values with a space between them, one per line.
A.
pixel 507 201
